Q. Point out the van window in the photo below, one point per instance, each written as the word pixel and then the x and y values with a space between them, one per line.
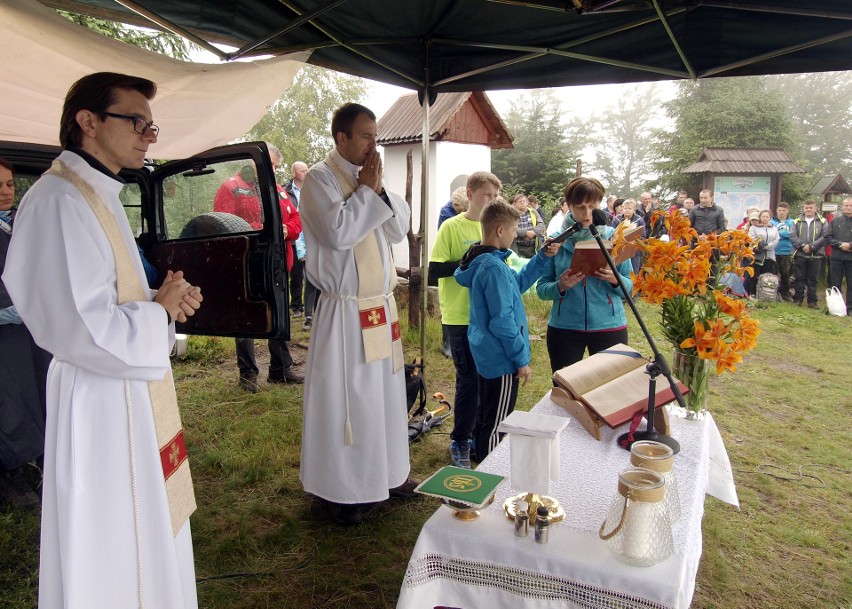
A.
pixel 222 199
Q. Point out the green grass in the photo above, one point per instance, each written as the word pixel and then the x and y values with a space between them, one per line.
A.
pixel 784 418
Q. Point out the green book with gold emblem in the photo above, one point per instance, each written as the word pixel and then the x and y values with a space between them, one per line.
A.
pixel 466 486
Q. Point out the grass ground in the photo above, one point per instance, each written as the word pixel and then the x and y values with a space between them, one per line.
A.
pixel 261 542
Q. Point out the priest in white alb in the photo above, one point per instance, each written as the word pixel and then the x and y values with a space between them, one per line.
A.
pixel 355 434
pixel 117 490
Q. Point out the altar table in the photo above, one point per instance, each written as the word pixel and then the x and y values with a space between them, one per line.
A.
pixel 480 564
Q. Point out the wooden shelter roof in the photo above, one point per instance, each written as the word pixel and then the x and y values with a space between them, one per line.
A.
pixel 466 117
pixel 743 161
pixel 831 184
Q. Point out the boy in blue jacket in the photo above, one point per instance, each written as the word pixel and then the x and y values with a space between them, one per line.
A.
pixel 497 333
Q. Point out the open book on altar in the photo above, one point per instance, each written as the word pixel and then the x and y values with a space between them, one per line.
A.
pixel 588 257
pixel 612 384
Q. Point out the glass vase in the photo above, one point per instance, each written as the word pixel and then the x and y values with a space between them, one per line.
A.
pixel 693 372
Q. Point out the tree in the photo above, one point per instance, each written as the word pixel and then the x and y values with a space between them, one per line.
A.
pixel 165 43
pixel 544 148
pixel 298 123
pixel 622 143
pixel 821 110
pixel 719 113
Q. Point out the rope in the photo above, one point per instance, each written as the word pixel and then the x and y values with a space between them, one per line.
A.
pixel 135 492
pixel 617 530
pixel 348 438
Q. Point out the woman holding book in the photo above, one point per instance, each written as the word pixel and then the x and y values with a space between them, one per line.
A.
pixel 587 311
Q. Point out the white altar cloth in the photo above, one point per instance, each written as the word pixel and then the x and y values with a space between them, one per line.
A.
pixel 481 564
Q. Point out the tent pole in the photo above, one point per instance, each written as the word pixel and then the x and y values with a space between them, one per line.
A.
pixel 673 38
pixel 424 219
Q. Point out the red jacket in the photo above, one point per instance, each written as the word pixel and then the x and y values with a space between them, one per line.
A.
pixel 291 221
pixel 238 197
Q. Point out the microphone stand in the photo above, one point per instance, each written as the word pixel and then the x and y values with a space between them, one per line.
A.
pixel 653 369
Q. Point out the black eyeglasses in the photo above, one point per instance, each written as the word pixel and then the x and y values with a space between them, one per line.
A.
pixel 140 125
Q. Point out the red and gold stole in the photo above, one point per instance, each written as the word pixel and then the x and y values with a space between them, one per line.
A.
pixel 371 287
pixel 176 474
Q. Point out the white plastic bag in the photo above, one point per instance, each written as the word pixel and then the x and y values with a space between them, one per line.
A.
pixel 834 300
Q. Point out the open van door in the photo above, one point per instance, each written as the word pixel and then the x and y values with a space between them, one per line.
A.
pixel 177 214
pixel 216 217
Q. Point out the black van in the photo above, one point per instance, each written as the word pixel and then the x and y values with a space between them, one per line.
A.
pixel 240 269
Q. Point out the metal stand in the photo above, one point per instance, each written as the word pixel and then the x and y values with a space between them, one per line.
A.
pixel 627 439
pixel 656 367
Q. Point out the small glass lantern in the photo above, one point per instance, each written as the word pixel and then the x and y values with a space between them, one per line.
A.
pixel 659 458
pixel 637 527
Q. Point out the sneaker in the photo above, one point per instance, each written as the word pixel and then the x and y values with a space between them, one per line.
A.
pixel 298 312
pixel 460 453
pixel 309 322
pixel 249 383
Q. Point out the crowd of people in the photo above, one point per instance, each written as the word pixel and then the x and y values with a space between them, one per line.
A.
pixel 587 313
pixel 117 491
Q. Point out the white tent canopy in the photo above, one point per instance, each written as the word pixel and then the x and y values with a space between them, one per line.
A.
pixel 198 106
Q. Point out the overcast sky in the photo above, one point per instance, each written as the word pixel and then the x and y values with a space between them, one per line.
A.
pixel 581 102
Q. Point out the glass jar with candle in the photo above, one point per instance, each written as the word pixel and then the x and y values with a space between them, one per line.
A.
pixel 658 457
pixel 637 527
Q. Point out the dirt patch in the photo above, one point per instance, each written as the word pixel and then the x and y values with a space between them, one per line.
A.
pixel 298 350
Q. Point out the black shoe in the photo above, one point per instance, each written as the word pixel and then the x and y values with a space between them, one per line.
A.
pixel 290 376
pixel 15 489
pixel 405 490
pixel 309 322
pixel 298 312
pixel 346 514
pixel 813 305
pixel 249 383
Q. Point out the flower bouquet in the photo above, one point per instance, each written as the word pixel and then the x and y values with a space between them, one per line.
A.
pixel 686 276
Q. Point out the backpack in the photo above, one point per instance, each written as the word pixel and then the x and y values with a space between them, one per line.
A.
pixel 415 390
pixel 421 420
pixel 767 288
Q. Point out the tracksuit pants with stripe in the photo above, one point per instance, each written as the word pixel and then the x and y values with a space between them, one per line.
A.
pixel 497 399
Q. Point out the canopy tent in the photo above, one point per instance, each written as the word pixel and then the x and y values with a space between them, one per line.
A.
pixel 469 45
pixel 198 106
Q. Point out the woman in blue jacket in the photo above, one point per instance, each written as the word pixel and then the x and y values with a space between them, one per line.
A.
pixel 587 311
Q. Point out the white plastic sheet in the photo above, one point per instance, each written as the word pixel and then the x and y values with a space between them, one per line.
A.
pixel 198 106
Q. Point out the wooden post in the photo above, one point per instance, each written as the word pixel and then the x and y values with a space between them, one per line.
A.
pixel 414 250
pixel 578 170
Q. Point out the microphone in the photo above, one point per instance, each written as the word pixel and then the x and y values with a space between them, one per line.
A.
pixel 571 230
